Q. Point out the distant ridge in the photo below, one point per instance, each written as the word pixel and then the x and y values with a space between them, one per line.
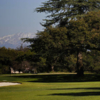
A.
pixel 14 41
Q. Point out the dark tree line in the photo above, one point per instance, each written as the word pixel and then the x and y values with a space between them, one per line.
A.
pixel 20 59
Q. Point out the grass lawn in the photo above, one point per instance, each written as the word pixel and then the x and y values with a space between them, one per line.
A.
pixel 51 87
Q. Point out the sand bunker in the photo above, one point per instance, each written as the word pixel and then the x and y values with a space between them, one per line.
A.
pixel 8 83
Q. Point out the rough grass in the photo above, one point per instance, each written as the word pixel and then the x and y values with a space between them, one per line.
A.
pixel 51 87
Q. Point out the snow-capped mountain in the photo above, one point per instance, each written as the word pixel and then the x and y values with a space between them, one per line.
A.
pixel 14 41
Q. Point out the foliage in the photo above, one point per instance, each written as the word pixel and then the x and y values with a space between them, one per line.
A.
pixel 60 45
pixel 83 32
pixel 49 44
pixel 60 11
pixel 6 58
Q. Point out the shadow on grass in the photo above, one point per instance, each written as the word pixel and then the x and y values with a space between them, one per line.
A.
pixel 77 94
pixel 96 93
pixel 60 78
pixel 94 88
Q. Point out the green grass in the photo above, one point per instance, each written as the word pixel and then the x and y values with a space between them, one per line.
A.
pixel 51 87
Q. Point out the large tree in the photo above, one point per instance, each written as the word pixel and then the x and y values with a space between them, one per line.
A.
pixel 79 36
pixel 59 12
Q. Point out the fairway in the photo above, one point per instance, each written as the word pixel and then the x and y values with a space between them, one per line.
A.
pixel 51 87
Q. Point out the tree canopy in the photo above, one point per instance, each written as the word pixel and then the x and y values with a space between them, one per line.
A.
pixel 77 37
pixel 59 12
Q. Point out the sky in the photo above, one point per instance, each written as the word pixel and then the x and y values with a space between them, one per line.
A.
pixel 18 16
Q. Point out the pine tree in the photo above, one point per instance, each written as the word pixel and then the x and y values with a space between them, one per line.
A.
pixel 80 35
pixel 61 11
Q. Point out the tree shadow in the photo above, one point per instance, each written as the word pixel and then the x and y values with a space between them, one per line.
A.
pixel 77 94
pixel 60 78
pixel 94 88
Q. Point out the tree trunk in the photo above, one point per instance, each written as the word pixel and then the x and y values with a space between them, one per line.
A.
pixel 80 71
pixel 52 68
pixel 35 70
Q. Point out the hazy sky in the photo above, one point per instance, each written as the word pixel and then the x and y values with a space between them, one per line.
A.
pixel 18 16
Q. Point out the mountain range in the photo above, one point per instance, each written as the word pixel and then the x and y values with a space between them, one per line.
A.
pixel 14 41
